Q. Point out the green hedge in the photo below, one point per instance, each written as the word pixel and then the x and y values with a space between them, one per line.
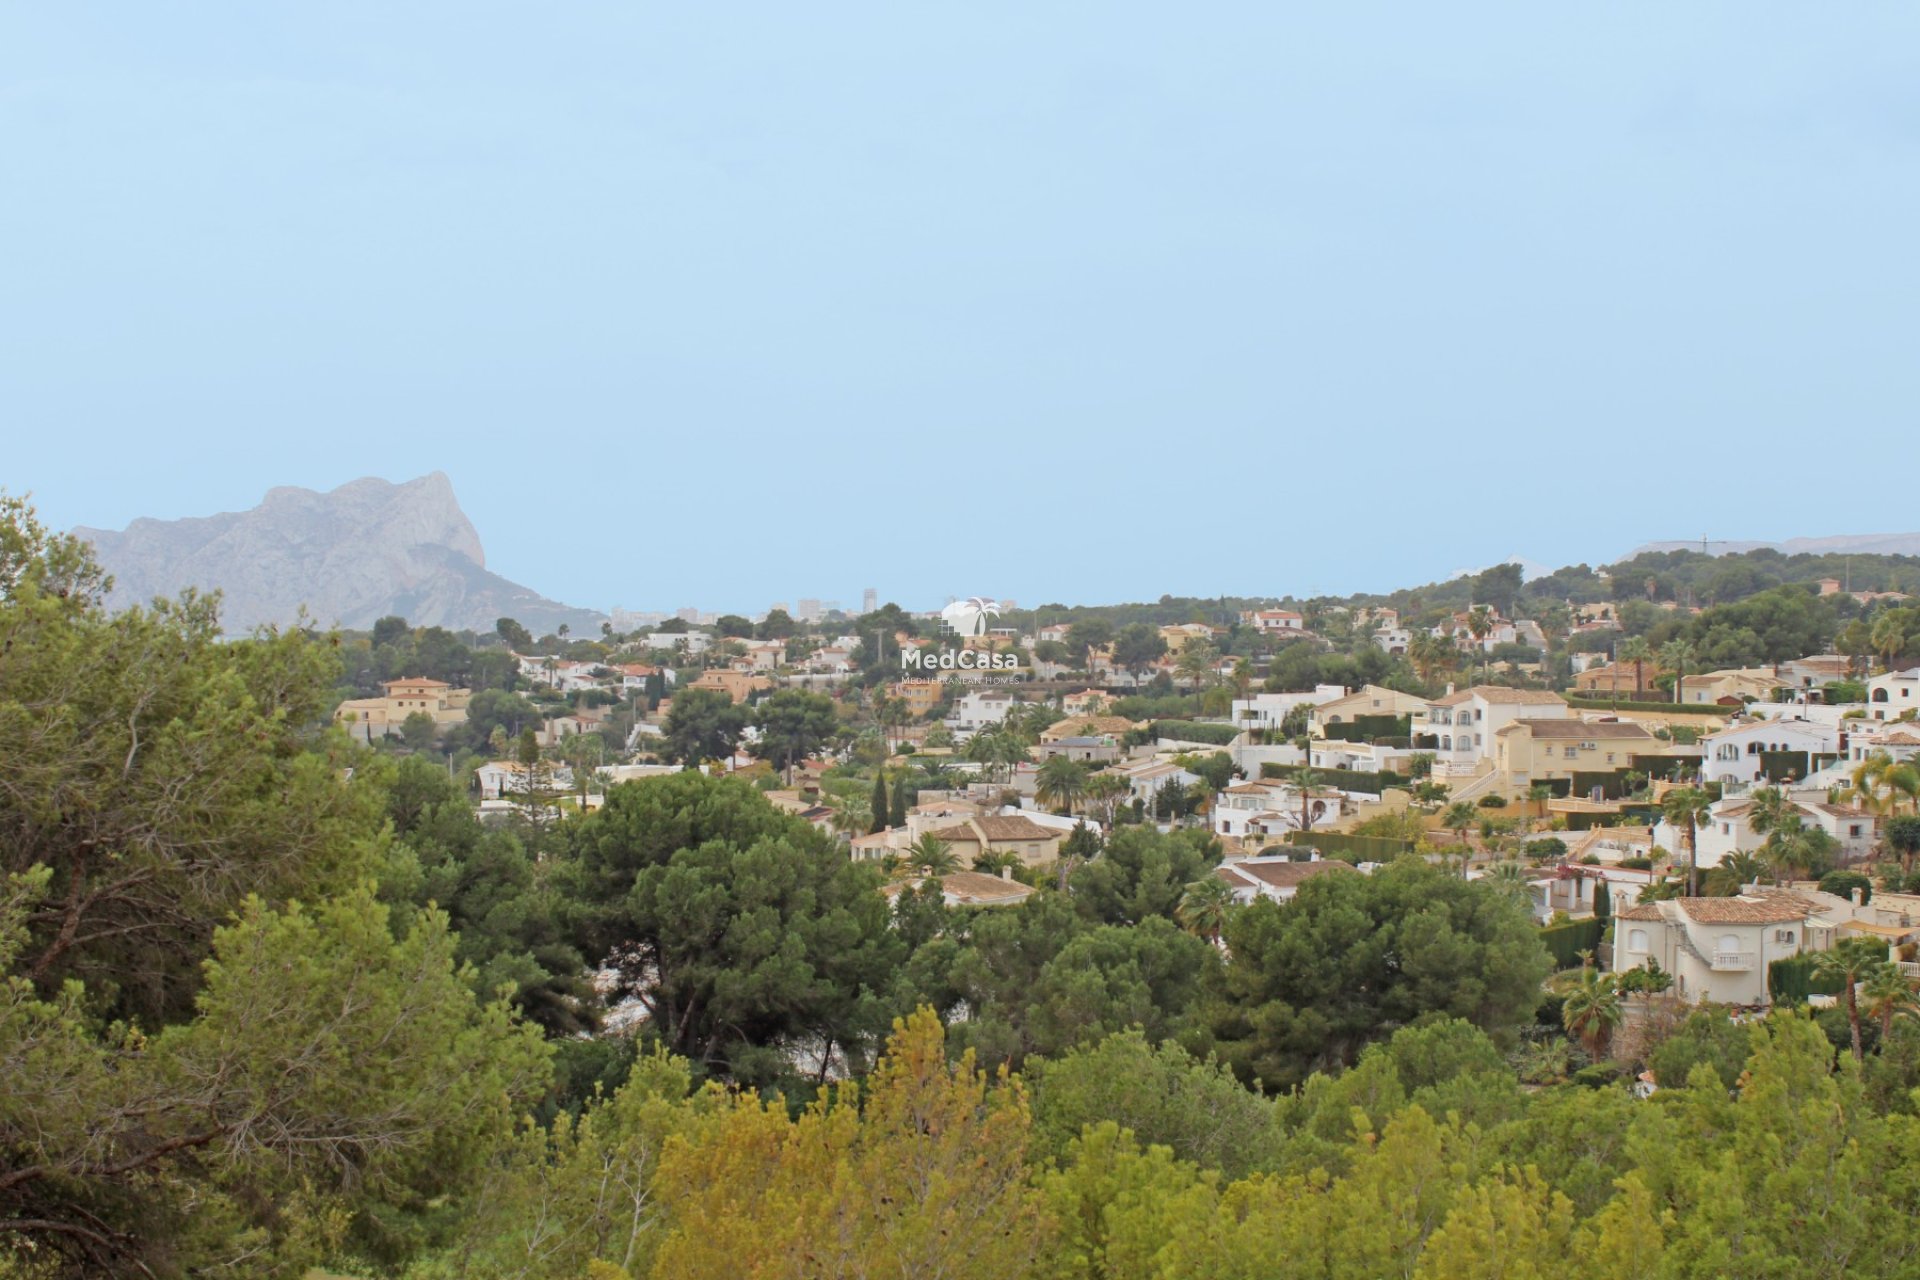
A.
pixel 1792 980
pixel 1612 783
pixel 1340 779
pixel 1219 735
pixel 1369 728
pixel 1565 942
pixel 1665 708
pixel 1363 848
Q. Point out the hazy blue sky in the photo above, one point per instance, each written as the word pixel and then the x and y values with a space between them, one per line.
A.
pixel 726 303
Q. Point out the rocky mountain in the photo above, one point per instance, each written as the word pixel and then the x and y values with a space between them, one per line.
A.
pixel 359 553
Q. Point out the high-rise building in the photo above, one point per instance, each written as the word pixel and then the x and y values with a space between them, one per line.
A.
pixel 869 600
pixel 807 610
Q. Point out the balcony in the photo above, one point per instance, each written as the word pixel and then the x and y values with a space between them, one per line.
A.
pixel 1733 961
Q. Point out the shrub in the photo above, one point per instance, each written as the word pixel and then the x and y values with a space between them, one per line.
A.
pixel 1842 884
pixel 1566 941
pixel 1599 1075
pixel 1219 735
pixel 1493 802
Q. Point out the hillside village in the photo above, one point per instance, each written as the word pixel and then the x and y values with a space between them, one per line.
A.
pixel 1737 815
pixel 1584 874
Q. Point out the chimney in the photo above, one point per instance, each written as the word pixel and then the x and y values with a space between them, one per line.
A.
pixel 1859 897
pixel 1006 873
pixel 1449 692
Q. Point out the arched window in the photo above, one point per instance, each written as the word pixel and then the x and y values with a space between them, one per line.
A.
pixel 1879 695
pixel 1727 942
pixel 1636 940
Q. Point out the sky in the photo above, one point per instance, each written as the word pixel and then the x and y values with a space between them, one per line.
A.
pixel 1080 302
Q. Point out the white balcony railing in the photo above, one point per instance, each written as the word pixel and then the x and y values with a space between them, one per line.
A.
pixel 1734 961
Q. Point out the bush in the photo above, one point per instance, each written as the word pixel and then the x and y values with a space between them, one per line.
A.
pixel 1636 863
pixel 1842 884
pixel 1339 779
pixel 1599 1075
pixel 1493 802
pixel 1219 735
pixel 1792 980
pixel 1565 942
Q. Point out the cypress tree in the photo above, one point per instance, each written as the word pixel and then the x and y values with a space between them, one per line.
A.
pixel 878 803
pixel 898 815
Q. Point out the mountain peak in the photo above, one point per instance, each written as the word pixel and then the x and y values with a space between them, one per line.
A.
pixel 357 553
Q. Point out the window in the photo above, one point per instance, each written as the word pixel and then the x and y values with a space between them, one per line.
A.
pixel 1783 935
pixel 1727 942
pixel 1854 830
pixel 1636 940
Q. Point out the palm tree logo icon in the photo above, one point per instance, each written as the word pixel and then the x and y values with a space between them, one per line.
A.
pixel 969 617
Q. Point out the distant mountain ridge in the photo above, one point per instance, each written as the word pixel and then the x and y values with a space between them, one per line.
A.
pixel 363 551
pixel 1866 544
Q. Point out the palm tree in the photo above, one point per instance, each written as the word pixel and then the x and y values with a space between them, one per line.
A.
pixel 1677 656
pixel 1636 650
pixel 1479 625
pixel 1735 870
pixel 1510 878
pixel 1539 794
pixel 992 862
pixel 1885 994
pixel 1242 678
pixel 1883 784
pixel 932 856
pixel 1593 1009
pixel 1794 846
pixel 1060 784
pixel 1460 818
pixel 1688 807
pixel 1851 962
pixel 1771 810
pixel 1889 638
pixel 1198 663
pixel 987 747
pixel 1204 908
pixel 851 816
pixel 1429 653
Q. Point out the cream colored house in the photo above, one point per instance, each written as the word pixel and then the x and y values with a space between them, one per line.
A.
pixel 1181 634
pixel 737 685
pixel 1463 725
pixel 1719 948
pixel 1032 843
pixel 1369 700
pixel 1529 751
pixel 370 718
pixel 1726 687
